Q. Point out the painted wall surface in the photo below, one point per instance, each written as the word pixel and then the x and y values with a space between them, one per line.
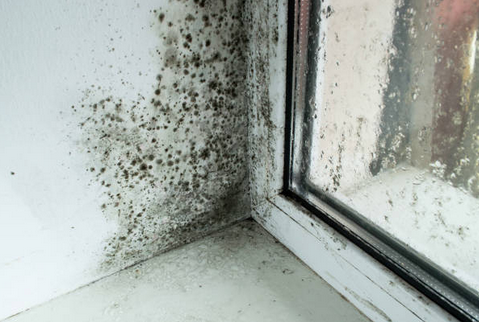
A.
pixel 123 133
pixel 266 23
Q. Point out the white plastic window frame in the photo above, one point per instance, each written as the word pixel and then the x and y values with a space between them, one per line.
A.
pixel 367 284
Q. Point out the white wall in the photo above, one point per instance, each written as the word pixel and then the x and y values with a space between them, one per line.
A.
pixel 80 196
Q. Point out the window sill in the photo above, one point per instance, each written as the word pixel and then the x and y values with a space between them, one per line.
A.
pixel 372 288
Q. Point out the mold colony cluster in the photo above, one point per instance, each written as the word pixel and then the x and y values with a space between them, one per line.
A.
pixel 173 166
pixel 261 22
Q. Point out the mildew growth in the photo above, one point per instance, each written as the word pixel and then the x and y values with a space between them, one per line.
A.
pixel 263 35
pixel 173 166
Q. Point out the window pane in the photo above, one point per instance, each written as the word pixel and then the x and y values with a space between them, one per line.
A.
pixel 395 131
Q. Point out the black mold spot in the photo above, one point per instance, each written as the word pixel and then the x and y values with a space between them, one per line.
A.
pixel 173 166
pixel 329 11
pixel 190 18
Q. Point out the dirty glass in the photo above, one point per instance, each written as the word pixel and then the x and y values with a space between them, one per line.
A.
pixel 387 121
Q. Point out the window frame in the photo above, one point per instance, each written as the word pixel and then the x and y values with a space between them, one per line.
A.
pixel 423 275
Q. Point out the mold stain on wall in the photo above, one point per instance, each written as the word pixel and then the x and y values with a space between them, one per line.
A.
pixel 172 166
pixel 262 29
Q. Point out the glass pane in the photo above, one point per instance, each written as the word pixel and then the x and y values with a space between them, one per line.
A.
pixel 395 131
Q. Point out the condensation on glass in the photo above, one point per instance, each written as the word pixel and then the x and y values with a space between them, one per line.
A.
pixel 395 130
